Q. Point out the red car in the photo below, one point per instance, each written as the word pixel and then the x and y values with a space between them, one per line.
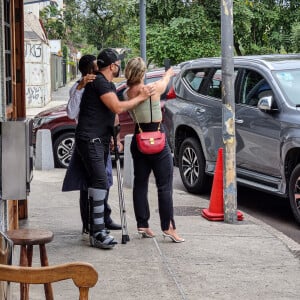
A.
pixel 63 129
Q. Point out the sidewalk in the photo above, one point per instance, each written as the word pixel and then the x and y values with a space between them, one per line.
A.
pixel 247 260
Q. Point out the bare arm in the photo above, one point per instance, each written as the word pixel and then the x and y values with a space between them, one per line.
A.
pixel 115 105
pixel 85 80
pixel 161 85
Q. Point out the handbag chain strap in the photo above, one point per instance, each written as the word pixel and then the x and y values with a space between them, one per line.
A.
pixel 137 121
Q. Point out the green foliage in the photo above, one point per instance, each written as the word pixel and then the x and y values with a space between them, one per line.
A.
pixel 71 63
pixel 65 52
pixel 53 21
pixel 179 30
pixel 75 34
pixel 89 49
pixel 182 38
pixel 192 41
pixel 295 36
pixel 104 22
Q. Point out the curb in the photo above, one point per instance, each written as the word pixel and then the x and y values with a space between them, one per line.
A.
pixel 292 245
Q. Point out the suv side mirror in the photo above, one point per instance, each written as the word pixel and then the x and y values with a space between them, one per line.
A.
pixel 266 103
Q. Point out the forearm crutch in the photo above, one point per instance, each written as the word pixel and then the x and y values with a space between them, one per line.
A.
pixel 125 236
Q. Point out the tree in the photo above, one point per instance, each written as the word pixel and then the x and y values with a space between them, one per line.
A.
pixel 181 29
pixel 53 21
pixel 295 36
pixel 176 30
pixel 104 22
pixel 75 33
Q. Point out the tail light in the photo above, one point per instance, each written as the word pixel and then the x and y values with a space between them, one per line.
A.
pixel 171 94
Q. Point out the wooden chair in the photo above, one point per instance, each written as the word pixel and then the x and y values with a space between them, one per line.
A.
pixel 83 275
pixel 26 238
pixel 6 249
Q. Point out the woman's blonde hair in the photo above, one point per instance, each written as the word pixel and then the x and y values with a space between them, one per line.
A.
pixel 135 71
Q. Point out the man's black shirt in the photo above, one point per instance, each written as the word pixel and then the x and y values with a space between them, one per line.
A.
pixel 95 118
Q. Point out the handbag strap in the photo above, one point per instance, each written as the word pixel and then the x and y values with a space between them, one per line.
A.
pixel 137 121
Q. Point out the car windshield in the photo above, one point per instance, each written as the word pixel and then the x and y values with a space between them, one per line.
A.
pixel 289 82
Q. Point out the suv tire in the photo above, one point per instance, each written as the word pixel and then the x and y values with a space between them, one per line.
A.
pixel 63 148
pixel 294 189
pixel 192 166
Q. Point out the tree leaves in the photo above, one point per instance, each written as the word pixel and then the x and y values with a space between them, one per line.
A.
pixel 182 30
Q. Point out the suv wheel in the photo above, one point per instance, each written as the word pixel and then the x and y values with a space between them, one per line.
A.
pixel 294 192
pixel 63 148
pixel 192 166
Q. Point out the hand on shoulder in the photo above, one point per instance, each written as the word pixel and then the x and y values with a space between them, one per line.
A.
pixel 85 80
pixel 147 90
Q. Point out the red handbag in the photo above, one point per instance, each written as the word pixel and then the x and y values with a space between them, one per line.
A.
pixel 150 142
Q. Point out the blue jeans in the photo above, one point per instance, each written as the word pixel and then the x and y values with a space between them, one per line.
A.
pixel 162 166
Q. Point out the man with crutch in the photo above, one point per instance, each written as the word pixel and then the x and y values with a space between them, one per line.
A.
pixel 75 177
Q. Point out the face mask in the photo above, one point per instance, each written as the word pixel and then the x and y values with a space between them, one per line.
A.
pixel 117 74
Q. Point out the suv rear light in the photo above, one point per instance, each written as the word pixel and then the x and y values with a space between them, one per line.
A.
pixel 171 94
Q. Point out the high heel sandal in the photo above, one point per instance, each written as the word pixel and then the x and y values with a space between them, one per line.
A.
pixel 173 238
pixel 146 233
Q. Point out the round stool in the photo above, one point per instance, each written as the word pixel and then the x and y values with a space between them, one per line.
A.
pixel 27 238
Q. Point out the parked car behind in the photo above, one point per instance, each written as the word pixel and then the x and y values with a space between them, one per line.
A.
pixel 63 129
pixel 267 123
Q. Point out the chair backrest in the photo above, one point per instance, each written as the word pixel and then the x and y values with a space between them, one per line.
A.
pixel 6 250
pixel 83 275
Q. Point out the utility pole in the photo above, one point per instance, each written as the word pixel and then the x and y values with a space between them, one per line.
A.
pixel 143 29
pixel 228 127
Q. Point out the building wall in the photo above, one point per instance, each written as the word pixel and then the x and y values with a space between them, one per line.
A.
pixel 3 220
pixel 12 88
pixel 37 73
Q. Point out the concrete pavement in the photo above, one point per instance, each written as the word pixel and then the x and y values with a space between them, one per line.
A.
pixel 247 260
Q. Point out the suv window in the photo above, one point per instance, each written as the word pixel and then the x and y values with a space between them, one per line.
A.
pixel 215 87
pixel 195 77
pixel 289 82
pixel 253 87
pixel 207 81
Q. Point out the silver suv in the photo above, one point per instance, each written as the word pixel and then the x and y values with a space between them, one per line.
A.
pixel 267 122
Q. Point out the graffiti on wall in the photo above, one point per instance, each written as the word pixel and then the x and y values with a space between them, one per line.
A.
pixel 34 95
pixel 33 50
pixel 37 73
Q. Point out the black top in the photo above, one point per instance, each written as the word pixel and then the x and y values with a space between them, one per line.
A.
pixel 95 119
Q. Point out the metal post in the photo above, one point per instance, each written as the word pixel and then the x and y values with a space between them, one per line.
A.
pixel 143 29
pixel 229 164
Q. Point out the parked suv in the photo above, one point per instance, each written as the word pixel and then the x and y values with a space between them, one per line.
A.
pixel 267 123
pixel 63 129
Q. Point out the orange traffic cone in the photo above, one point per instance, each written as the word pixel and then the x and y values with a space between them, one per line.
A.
pixel 215 212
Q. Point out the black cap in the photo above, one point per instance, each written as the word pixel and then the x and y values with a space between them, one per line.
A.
pixel 107 57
